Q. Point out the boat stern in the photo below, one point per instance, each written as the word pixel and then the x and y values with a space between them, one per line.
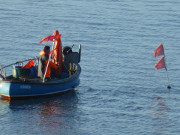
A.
pixel 4 89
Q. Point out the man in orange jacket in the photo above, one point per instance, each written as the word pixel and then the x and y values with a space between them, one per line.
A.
pixel 43 61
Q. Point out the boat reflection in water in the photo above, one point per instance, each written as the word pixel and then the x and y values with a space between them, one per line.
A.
pixel 50 115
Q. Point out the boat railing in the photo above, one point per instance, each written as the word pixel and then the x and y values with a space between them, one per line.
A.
pixel 3 73
pixel 72 68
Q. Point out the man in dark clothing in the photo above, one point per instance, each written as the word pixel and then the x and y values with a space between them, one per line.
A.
pixel 43 61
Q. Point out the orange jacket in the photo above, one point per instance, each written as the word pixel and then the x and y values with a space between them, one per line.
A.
pixel 50 66
pixel 57 51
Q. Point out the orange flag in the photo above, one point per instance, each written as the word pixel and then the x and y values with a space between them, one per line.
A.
pixel 48 38
pixel 159 51
pixel 160 64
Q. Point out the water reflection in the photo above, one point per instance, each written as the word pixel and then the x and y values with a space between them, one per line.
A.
pixel 160 120
pixel 50 114
pixel 67 98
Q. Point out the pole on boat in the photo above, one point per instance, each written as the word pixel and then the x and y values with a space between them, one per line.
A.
pixel 79 52
pixel 47 64
pixel 46 68
pixel 46 71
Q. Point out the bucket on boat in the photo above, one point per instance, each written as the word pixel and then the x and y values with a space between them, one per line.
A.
pixel 18 71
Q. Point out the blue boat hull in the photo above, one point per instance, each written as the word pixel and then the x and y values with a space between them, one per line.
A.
pixel 25 89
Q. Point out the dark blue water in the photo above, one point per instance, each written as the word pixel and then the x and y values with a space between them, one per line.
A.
pixel 120 92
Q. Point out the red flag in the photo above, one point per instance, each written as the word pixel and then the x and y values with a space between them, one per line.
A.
pixel 159 51
pixel 48 38
pixel 160 64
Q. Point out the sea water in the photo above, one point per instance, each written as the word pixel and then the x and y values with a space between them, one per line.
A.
pixel 120 92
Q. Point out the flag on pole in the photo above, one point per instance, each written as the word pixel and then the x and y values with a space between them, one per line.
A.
pixel 159 51
pixel 160 64
pixel 48 38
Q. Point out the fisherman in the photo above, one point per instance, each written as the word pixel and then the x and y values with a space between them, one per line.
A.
pixel 43 63
pixel 57 53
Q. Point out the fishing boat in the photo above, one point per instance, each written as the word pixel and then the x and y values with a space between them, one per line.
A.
pixel 21 83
